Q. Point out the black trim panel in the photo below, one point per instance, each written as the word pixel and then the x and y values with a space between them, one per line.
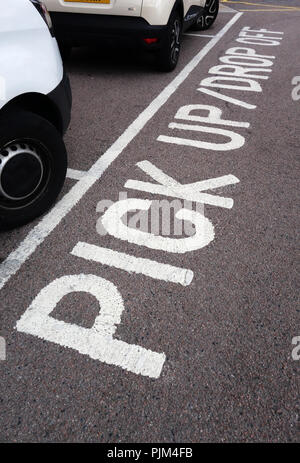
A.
pixel 61 96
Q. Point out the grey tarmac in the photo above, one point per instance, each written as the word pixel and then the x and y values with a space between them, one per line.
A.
pixel 228 374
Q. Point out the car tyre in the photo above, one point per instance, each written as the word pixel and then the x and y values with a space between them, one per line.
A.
pixel 208 15
pixel 33 165
pixel 168 55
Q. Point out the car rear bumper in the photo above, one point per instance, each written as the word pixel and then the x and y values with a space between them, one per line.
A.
pixel 82 29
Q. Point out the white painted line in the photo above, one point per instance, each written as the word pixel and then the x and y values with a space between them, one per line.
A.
pixel 199 35
pixel 37 235
pixel 75 174
pixel 132 264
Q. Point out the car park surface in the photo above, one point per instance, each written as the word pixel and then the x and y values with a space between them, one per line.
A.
pixel 219 326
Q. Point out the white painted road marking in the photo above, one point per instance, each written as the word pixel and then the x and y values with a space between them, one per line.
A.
pixel 231 100
pixel 132 264
pixel 37 235
pixel 168 186
pixel 96 342
pixel 296 90
pixel 235 142
pixel 76 174
pixel 199 35
pixel 2 349
pixel 112 222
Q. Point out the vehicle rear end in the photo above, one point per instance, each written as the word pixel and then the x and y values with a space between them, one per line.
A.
pixel 88 23
pixel 155 26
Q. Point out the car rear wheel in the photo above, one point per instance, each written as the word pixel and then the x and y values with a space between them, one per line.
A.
pixel 33 164
pixel 168 55
pixel 208 16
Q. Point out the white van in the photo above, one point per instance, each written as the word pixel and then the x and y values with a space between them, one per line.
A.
pixel 154 25
pixel 35 108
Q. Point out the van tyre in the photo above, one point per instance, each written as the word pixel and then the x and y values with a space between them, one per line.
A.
pixel 168 55
pixel 33 165
pixel 208 16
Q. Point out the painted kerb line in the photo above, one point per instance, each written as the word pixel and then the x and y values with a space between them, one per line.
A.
pixel 37 235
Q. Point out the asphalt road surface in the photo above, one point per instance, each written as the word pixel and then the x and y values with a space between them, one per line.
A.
pixel 119 332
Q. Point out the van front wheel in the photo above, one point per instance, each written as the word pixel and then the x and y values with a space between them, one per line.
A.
pixel 33 164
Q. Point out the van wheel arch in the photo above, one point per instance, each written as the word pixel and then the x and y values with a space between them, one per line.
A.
pixel 38 104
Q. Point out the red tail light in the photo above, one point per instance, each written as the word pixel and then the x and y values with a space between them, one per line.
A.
pixel 149 41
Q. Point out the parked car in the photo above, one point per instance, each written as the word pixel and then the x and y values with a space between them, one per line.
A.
pixel 35 108
pixel 153 25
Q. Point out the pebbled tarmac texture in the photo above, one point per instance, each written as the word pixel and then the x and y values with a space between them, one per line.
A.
pixel 229 374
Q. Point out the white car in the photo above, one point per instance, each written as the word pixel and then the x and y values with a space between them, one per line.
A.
pixel 35 107
pixel 153 24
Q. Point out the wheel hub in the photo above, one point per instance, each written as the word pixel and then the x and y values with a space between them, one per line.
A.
pixel 21 171
pixel 175 42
